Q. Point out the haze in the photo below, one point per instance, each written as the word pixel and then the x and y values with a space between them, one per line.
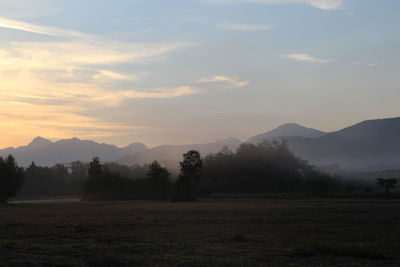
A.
pixel 193 71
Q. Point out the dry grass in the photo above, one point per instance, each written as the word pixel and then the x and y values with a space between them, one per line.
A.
pixel 218 233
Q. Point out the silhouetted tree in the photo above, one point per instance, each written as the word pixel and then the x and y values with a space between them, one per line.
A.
pixel 386 184
pixel 11 178
pixel 190 173
pixel 159 181
pixel 95 168
pixel 95 184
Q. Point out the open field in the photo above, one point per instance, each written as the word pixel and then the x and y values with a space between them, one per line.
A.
pixel 206 233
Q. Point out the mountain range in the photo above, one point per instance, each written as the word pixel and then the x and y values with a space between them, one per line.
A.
pixel 47 153
pixel 372 144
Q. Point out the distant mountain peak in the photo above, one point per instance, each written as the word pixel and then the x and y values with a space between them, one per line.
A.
pixel 135 148
pixel 39 141
pixel 287 130
pixel 291 124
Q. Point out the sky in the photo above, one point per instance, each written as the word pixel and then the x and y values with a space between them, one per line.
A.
pixel 193 71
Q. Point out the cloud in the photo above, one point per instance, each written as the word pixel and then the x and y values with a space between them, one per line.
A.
pixel 76 49
pixel 25 120
pixel 106 75
pixel 44 30
pixel 244 27
pixel 374 63
pixel 326 4
pixel 81 65
pixel 47 86
pixel 28 87
pixel 223 81
pixel 307 58
pixel 68 55
pixel 32 106
pixel 321 4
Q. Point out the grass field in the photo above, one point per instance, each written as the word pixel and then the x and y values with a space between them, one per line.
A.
pixel 205 233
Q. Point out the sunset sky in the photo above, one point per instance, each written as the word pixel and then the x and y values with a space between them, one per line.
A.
pixel 193 71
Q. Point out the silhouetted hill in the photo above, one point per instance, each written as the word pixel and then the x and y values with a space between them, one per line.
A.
pixel 134 148
pixel 287 130
pixel 170 155
pixel 373 144
pixel 46 153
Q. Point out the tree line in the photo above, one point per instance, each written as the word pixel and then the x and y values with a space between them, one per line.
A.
pixel 106 184
pixel 269 167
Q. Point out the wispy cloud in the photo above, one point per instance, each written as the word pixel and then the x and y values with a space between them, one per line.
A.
pixel 244 27
pixel 321 4
pixel 60 122
pixel 223 81
pixel 107 75
pixel 374 63
pixel 81 51
pixel 44 30
pixel 307 58
pixel 72 74
pixel 326 4
pixel 77 54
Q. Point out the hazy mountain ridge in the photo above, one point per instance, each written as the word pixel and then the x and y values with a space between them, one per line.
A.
pixel 287 130
pixel 47 153
pixel 170 155
pixel 371 144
